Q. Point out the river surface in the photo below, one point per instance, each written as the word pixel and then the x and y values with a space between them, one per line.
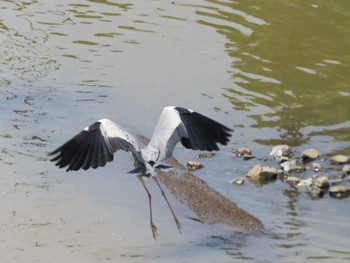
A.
pixel 274 71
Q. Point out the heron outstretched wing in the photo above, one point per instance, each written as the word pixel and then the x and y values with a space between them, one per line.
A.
pixel 94 146
pixel 195 131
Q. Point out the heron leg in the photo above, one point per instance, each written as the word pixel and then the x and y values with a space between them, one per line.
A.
pixel 153 227
pixel 177 222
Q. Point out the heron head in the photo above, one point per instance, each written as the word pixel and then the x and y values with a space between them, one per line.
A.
pixel 149 169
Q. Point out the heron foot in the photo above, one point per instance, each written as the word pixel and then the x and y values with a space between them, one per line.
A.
pixel 178 224
pixel 154 231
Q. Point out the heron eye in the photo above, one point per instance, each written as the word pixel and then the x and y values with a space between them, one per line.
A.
pixel 152 163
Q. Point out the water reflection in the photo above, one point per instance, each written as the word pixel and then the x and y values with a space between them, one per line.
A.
pixel 293 223
pixel 282 59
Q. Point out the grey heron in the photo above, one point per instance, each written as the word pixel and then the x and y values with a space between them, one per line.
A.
pixel 95 145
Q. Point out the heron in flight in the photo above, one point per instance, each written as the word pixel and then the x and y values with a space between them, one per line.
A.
pixel 95 145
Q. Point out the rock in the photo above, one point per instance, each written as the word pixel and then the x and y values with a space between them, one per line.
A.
pixel 305 183
pixel 321 182
pixel 283 159
pixel 263 172
pixel 193 165
pixel 244 153
pixel 280 150
pixel 316 167
pixel 289 166
pixel 268 172
pixel 316 192
pixel 255 171
pixel 339 159
pixel 205 155
pixel 281 173
pixel 292 180
pixel 309 154
pixel 346 169
pixel 339 191
pixel 238 181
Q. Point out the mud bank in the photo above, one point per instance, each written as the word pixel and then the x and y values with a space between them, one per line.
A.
pixel 209 205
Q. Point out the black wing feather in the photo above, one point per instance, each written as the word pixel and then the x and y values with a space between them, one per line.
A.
pixel 203 132
pixel 89 149
pixel 79 158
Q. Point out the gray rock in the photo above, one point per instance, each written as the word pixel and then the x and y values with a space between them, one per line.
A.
pixel 263 172
pixel 193 165
pixel 339 159
pixel 238 181
pixel 339 191
pixel 244 153
pixel 305 183
pixel 321 182
pixel 280 150
pixel 346 169
pixel 291 166
pixel 309 154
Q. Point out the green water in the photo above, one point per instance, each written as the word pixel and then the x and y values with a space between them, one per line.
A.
pixel 290 59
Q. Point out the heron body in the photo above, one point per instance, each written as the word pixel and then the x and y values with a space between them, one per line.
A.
pixel 95 145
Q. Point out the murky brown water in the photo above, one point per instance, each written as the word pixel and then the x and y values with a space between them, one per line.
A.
pixel 275 71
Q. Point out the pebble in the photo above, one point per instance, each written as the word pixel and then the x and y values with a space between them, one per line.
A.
pixel 305 183
pixel 292 180
pixel 316 192
pixel 339 191
pixel 238 181
pixel 309 154
pixel 280 150
pixel 205 155
pixel 263 172
pixel 316 167
pixel 346 169
pixel 317 186
pixel 290 166
pixel 339 159
pixel 193 165
pixel 244 153
pixel 321 182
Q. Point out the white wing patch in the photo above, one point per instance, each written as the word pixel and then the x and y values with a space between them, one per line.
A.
pixel 161 144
